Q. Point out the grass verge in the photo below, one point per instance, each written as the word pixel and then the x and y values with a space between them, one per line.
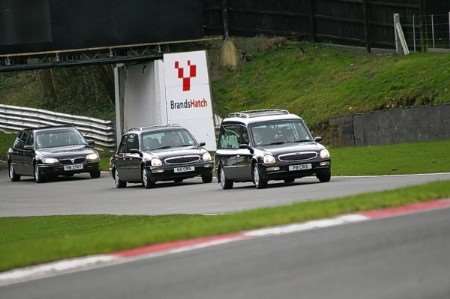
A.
pixel 422 157
pixel 31 240
pixel 319 82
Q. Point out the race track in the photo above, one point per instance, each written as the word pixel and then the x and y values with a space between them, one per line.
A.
pixel 80 195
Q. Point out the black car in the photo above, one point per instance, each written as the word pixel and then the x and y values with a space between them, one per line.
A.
pixel 47 152
pixel 160 153
pixel 264 145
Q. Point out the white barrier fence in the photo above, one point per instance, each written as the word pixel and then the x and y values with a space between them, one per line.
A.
pixel 14 118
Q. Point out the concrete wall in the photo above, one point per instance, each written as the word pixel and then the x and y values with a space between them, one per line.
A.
pixel 421 123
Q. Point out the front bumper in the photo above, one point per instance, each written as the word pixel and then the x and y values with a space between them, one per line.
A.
pixel 280 171
pixel 167 173
pixel 58 169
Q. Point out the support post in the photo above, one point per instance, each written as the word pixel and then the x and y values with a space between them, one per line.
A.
pixel 449 28
pixel 432 32
pixel 401 46
pixel 396 21
pixel 119 84
pixel 414 32
pixel 312 20
pixel 365 6
pixel 226 31
pixel 423 34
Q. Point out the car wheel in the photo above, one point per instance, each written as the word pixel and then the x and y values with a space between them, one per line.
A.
pixel 118 183
pixel 206 179
pixel 324 176
pixel 147 180
pixel 95 174
pixel 224 182
pixel 38 177
pixel 289 181
pixel 258 178
pixel 12 173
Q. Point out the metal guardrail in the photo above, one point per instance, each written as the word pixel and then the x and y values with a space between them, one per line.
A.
pixel 14 118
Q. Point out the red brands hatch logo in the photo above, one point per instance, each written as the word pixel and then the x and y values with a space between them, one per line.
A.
pixel 186 78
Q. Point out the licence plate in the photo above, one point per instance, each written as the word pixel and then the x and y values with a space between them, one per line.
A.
pixel 184 169
pixel 300 167
pixel 73 167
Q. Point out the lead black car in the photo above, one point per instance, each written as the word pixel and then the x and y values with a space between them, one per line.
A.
pixel 48 152
pixel 266 145
pixel 160 153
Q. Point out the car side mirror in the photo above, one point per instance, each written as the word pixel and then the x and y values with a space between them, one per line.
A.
pixel 91 143
pixel 318 139
pixel 134 151
pixel 28 147
pixel 202 144
pixel 246 146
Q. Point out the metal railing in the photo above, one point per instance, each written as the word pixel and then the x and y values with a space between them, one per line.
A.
pixel 14 118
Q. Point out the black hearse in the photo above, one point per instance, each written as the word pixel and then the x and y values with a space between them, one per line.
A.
pixel 264 145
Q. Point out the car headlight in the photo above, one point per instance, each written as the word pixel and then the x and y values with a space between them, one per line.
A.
pixel 207 157
pixel 93 157
pixel 50 160
pixel 269 159
pixel 324 154
pixel 156 162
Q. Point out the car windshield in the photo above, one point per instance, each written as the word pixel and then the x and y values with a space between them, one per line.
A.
pixel 166 139
pixel 58 138
pixel 280 132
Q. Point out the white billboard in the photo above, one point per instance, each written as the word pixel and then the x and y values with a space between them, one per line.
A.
pixel 174 90
pixel 188 94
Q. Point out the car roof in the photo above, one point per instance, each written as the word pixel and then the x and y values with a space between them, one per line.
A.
pixel 257 116
pixel 141 130
pixel 50 128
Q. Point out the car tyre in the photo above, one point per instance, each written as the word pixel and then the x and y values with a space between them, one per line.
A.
pixel 259 178
pixel 147 180
pixel 12 173
pixel 206 179
pixel 38 176
pixel 118 183
pixel 95 174
pixel 324 175
pixel 224 182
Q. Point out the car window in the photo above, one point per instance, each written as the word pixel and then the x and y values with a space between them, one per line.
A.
pixel 123 145
pixel 166 139
pixel 132 142
pixel 20 142
pixel 58 138
pixel 30 139
pixel 232 136
pixel 278 132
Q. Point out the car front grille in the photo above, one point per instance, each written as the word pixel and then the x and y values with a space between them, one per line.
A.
pixel 298 156
pixel 72 161
pixel 182 160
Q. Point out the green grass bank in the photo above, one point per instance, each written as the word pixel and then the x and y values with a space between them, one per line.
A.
pixel 320 82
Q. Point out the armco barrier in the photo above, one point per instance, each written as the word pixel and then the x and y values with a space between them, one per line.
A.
pixel 13 118
pixel 407 124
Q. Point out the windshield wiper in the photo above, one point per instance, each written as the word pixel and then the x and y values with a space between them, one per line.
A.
pixel 302 140
pixel 276 143
pixel 162 147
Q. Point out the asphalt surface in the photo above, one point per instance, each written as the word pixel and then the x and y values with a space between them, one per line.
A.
pixel 403 257
pixel 81 195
